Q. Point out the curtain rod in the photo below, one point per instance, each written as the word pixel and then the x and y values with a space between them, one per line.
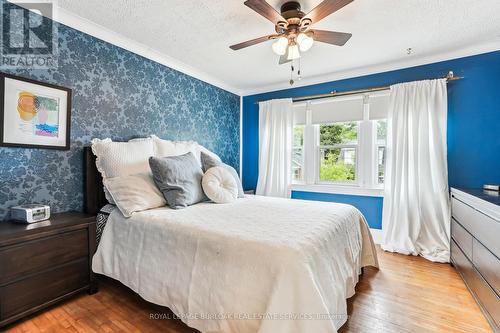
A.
pixel 449 77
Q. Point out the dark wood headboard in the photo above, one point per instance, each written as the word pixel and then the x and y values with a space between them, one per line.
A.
pixel 94 191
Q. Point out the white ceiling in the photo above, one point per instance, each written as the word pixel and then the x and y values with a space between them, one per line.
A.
pixel 196 35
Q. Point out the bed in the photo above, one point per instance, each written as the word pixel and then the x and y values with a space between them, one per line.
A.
pixel 258 264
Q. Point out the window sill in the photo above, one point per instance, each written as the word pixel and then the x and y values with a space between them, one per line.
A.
pixel 338 189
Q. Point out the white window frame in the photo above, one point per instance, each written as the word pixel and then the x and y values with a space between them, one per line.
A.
pixel 303 150
pixel 377 145
pixel 366 182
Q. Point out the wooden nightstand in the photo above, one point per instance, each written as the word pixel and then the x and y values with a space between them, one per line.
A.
pixel 43 263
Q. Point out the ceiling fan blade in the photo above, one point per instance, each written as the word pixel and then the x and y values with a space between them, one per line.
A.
pixel 326 8
pixel 331 37
pixel 284 59
pixel 266 10
pixel 252 42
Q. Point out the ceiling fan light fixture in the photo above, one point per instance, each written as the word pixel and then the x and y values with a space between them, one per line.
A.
pixel 279 47
pixel 292 29
pixel 293 51
pixel 305 42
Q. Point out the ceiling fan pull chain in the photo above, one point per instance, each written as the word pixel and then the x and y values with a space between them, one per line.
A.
pixel 291 74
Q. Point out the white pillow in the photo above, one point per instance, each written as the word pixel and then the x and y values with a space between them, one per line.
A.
pixel 134 193
pixel 164 148
pixel 123 158
pixel 219 185
pixel 120 159
pixel 209 153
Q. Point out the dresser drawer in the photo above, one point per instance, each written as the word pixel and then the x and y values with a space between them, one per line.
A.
pixel 41 288
pixel 463 213
pixel 487 298
pixel 463 265
pixel 488 264
pixel 481 226
pixel 487 232
pixel 28 257
pixel 462 237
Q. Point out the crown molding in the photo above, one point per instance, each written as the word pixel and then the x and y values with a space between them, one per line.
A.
pixel 381 68
pixel 84 25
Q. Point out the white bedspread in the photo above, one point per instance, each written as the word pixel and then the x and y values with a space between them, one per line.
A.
pixel 259 264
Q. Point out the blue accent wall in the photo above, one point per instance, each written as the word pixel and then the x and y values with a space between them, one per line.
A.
pixel 473 117
pixel 371 207
pixel 116 94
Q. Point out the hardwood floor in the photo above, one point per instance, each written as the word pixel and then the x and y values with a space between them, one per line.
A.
pixel 411 294
pixel 407 294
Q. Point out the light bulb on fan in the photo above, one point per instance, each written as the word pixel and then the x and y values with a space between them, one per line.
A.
pixel 279 47
pixel 305 42
pixel 293 51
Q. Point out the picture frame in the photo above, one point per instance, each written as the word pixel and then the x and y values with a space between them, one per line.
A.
pixel 34 114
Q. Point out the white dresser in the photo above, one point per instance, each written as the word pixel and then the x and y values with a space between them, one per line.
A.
pixel 475 247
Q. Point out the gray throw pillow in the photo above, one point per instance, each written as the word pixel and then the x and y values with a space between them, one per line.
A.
pixel 179 179
pixel 208 162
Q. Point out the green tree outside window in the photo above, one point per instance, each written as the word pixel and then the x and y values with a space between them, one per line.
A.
pixel 338 164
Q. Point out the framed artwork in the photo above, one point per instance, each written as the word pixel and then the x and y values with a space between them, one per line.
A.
pixel 34 114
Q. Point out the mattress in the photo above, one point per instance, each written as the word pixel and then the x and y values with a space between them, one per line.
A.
pixel 258 264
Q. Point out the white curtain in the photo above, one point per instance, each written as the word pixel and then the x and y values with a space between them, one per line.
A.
pixel 275 147
pixel 416 214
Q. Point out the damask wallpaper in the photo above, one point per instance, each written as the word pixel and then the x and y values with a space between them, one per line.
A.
pixel 120 95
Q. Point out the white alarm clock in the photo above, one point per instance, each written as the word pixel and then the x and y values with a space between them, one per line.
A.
pixel 30 213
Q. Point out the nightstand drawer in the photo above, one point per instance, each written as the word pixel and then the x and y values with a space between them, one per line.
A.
pixel 28 257
pixel 41 288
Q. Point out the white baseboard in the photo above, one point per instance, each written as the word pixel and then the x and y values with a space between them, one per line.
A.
pixel 377 235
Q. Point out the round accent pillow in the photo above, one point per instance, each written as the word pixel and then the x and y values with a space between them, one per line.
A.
pixel 219 185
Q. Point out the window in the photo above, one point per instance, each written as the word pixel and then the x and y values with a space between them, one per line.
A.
pixel 340 141
pixel 338 145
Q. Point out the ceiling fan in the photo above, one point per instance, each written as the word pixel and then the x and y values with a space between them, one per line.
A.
pixel 293 27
